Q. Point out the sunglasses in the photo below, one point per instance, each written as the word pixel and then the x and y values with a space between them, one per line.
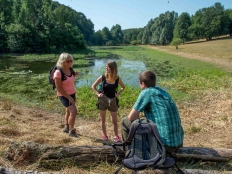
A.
pixel 69 61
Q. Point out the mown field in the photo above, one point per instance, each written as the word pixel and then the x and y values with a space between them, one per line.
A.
pixel 201 88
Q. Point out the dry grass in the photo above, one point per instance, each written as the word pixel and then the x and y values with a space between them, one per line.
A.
pixel 207 123
pixel 218 51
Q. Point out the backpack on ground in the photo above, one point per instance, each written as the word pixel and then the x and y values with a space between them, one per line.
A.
pixel 51 73
pixel 144 148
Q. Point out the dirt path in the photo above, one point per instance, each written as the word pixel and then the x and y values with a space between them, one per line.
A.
pixel 223 63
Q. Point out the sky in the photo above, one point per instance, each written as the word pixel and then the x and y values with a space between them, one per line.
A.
pixel 134 13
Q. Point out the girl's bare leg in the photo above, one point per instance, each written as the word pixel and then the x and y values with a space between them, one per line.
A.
pixel 103 121
pixel 114 116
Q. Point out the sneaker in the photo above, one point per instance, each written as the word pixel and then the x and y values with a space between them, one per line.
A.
pixel 72 132
pixel 117 139
pixel 66 128
pixel 105 138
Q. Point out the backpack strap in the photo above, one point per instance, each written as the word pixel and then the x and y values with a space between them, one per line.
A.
pixel 103 81
pixel 133 129
pixel 63 77
pixel 72 71
pixel 167 161
pixel 62 74
pixel 116 82
pixel 156 133
pixel 130 137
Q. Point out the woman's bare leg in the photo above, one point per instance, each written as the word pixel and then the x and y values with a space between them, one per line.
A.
pixel 103 121
pixel 114 119
pixel 72 116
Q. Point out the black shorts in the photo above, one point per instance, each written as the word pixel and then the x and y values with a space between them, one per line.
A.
pixel 65 101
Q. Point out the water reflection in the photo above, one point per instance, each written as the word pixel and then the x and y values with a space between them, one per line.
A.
pixel 128 71
pixel 37 67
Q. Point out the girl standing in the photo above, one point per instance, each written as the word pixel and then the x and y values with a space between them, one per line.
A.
pixel 108 97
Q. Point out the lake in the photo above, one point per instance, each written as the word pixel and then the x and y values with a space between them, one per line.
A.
pixel 128 70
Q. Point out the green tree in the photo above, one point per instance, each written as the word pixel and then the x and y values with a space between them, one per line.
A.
pixel 35 17
pixel 106 35
pixel 162 29
pixel 176 42
pixel 228 12
pixel 140 35
pixel 195 30
pixel 85 25
pixel 98 39
pixel 5 19
pixel 147 33
pixel 117 34
pixel 181 27
pixel 213 21
pixel 127 37
pixel 132 35
pixel 17 37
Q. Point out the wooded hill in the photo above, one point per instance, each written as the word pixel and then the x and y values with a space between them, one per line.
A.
pixel 48 27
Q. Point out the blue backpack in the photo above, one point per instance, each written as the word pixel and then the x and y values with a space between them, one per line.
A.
pixel 144 148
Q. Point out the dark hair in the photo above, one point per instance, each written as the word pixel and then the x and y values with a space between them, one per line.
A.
pixel 148 77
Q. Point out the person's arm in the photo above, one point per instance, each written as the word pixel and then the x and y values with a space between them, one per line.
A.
pixel 134 114
pixel 75 73
pixel 122 87
pixel 94 86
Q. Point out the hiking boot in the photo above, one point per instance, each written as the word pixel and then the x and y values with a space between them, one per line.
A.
pixel 117 139
pixel 72 133
pixel 66 128
pixel 105 138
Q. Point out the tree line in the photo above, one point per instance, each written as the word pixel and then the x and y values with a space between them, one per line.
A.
pixel 42 26
pixel 206 23
pixel 45 26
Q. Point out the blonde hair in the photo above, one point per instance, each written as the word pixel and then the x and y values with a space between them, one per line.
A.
pixel 113 70
pixel 62 58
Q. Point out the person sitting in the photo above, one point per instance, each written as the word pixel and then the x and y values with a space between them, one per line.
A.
pixel 159 107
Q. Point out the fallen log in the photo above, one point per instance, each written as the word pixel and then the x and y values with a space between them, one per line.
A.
pixel 205 154
pixel 103 153
pixel 29 152
pixel 187 171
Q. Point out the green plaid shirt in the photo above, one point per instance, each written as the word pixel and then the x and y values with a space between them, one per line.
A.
pixel 159 107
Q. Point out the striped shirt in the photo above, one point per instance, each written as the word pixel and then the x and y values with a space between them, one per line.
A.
pixel 159 107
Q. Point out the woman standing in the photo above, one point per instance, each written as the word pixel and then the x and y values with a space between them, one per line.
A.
pixel 66 90
pixel 108 97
